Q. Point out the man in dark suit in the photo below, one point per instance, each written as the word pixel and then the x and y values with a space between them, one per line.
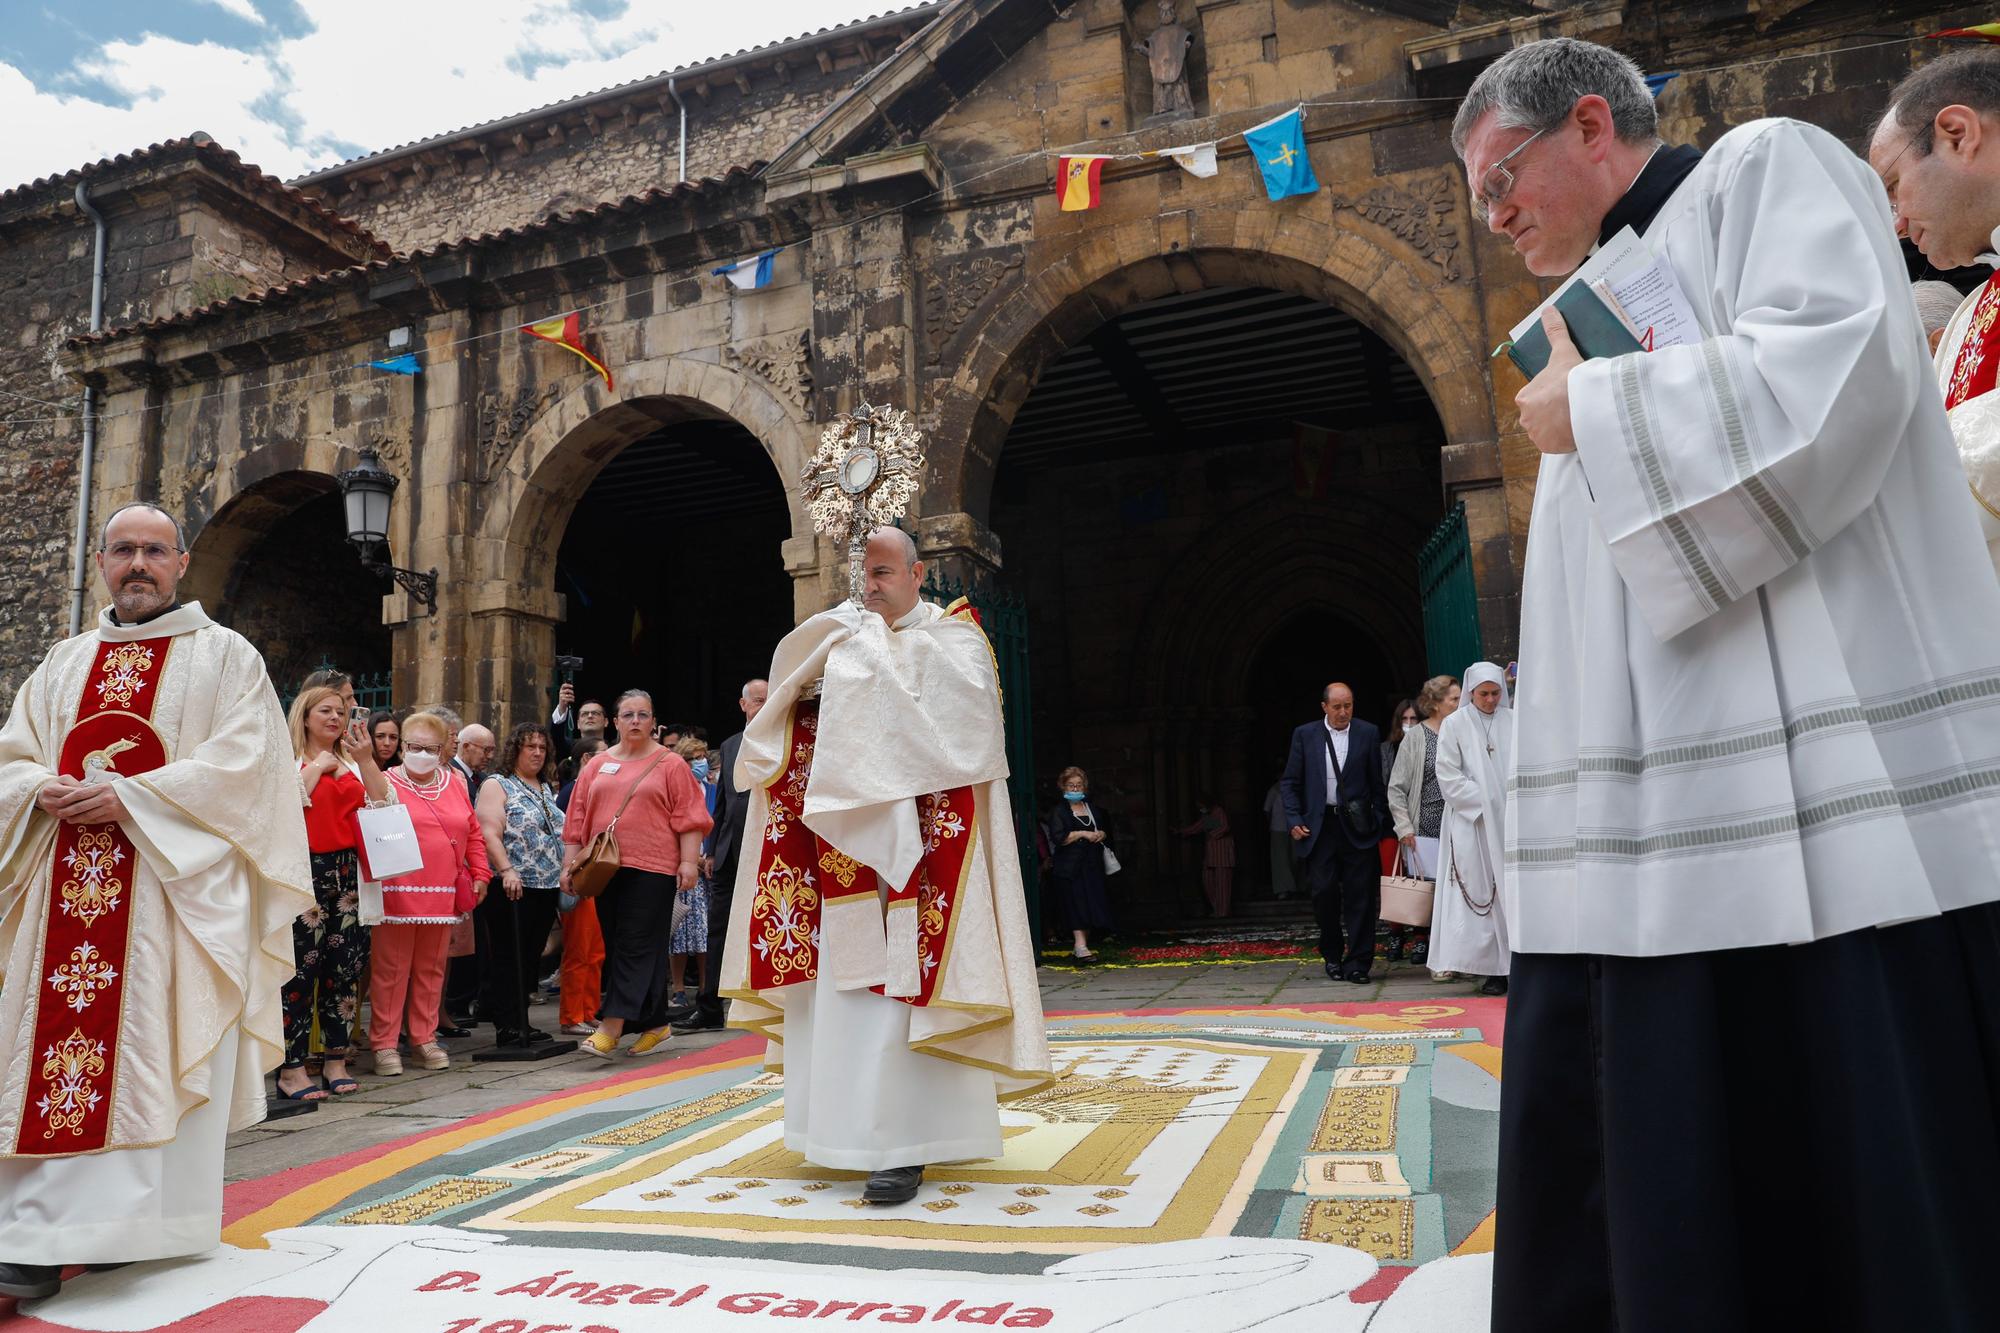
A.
pixel 725 854
pixel 1337 804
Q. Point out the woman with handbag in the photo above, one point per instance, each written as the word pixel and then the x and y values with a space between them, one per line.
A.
pixel 1475 750
pixel 523 832
pixel 1080 860
pixel 406 982
pixel 636 820
pixel 1416 804
pixel 337 777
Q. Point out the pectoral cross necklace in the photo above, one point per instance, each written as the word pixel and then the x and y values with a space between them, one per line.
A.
pixel 1486 725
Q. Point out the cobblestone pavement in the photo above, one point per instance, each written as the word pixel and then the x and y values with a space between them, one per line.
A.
pixel 389 1108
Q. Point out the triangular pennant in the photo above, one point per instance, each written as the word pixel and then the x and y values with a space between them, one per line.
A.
pixel 566 331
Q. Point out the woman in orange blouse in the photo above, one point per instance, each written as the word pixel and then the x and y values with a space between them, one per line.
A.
pixel 659 846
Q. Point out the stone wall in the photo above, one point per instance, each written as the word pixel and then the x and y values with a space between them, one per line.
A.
pixel 513 180
pixel 176 239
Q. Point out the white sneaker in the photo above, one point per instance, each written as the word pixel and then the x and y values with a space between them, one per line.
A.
pixel 388 1063
pixel 433 1056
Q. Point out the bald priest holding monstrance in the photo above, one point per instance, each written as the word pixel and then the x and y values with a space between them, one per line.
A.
pixel 880 938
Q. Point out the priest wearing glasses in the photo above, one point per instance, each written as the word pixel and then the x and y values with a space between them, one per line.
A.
pixel 1753 843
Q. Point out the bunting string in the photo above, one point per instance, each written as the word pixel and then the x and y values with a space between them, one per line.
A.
pixel 1279 132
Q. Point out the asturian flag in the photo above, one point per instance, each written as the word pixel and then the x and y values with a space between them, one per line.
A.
pixel 750 274
pixel 1078 180
pixel 1279 145
pixel 566 332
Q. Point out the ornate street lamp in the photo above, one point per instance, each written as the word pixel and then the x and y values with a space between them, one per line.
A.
pixel 365 490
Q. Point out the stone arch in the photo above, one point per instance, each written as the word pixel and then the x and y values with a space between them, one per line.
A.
pixel 524 510
pixel 1027 326
pixel 562 449
pixel 279 540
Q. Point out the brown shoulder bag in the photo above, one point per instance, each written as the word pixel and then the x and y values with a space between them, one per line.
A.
pixel 600 860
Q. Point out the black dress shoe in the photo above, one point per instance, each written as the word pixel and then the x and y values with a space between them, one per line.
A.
pixel 699 1022
pixel 893 1184
pixel 1493 986
pixel 30 1282
pixel 453 1032
pixel 517 1037
pixel 1359 976
pixel 681 1013
pixel 1333 972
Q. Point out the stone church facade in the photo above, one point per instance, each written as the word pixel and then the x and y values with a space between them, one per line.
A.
pixel 1178 526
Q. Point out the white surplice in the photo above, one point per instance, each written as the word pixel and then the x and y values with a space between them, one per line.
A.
pixel 1469 916
pixel 1759 699
pixel 1975 423
pixel 871 1081
pixel 222 872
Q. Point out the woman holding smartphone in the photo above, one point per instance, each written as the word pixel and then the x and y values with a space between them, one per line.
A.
pixel 337 776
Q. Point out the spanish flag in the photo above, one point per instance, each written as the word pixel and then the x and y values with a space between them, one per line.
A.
pixel 567 331
pixel 1983 32
pixel 1077 182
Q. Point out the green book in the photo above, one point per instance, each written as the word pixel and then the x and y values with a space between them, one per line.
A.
pixel 1593 327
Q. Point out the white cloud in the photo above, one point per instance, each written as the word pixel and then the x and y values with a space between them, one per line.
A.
pixel 242 9
pixel 376 73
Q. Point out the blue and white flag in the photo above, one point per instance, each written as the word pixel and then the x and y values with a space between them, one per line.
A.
pixel 752 273
pixel 1657 83
pixel 1279 145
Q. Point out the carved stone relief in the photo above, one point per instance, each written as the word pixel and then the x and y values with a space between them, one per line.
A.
pixel 784 363
pixel 502 422
pixel 1420 217
pixel 952 293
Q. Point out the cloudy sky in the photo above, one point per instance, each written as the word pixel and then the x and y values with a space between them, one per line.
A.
pixel 294 85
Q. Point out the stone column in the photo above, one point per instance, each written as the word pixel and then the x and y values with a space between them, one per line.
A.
pixel 958 546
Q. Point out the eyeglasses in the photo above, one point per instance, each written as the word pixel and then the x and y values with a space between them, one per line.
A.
pixel 1498 182
pixel 633 717
pixel 423 749
pixel 122 552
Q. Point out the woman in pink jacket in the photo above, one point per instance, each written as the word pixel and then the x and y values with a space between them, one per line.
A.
pixel 406 984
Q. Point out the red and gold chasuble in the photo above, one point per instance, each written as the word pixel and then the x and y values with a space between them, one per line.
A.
pixel 1974 371
pixel 799 873
pixel 79 1010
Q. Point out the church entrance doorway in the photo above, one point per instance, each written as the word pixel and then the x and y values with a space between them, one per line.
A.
pixel 1212 505
pixel 671 572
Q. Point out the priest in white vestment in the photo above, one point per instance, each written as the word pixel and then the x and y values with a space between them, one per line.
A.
pixel 152 859
pixel 1753 840
pixel 1475 752
pixel 1937 150
pixel 879 934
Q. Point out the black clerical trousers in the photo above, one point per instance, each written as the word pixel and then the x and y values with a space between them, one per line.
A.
pixel 1345 884
pixel 721 893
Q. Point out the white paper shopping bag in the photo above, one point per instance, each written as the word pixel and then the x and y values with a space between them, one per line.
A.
pixel 388 842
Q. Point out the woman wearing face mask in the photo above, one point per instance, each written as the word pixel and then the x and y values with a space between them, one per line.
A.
pixel 411 947
pixel 691 935
pixel 1079 839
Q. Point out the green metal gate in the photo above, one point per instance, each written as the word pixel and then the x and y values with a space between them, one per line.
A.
pixel 1452 640
pixel 1005 620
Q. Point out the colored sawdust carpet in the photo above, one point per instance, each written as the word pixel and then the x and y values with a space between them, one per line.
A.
pixel 1322 1167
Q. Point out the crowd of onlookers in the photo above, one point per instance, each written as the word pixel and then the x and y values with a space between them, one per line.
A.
pixel 1423 803
pixel 489 920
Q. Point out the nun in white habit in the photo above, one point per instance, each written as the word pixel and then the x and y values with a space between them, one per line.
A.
pixel 1474 755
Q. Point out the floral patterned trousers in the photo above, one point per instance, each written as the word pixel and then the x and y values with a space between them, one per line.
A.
pixel 331 947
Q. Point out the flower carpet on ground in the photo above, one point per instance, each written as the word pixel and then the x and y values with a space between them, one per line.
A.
pixel 1323 1167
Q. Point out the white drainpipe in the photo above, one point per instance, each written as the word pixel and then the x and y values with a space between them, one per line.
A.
pixel 671 92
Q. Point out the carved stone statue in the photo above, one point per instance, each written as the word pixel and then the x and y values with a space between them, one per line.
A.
pixel 1166 55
